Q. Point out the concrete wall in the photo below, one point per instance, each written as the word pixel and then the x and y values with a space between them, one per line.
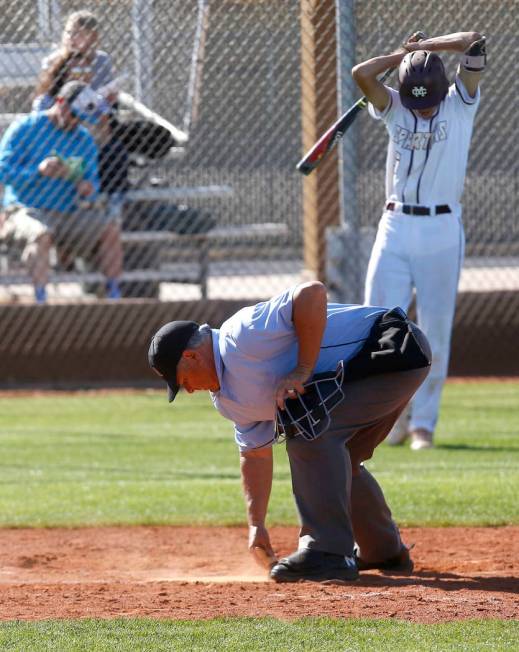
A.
pixel 85 345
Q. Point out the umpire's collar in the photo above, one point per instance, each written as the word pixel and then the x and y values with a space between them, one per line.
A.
pixel 218 362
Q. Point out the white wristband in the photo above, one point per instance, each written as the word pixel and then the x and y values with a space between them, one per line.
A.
pixel 473 63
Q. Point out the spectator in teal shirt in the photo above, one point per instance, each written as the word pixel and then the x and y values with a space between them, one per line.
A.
pixel 25 150
pixel 48 165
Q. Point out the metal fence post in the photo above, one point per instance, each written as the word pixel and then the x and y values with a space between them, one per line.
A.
pixel 142 28
pixel 345 268
pixel 49 19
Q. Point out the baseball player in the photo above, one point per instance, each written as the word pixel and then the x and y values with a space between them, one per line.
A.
pixel 420 239
pixel 334 378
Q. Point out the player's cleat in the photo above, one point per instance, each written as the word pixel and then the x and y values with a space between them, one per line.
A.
pixel 400 431
pixel 315 566
pixel 401 563
pixel 421 439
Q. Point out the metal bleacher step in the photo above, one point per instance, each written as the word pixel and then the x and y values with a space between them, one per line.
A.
pixel 185 273
pixel 247 231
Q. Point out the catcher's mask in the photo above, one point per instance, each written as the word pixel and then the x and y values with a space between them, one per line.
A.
pixel 308 414
pixel 423 82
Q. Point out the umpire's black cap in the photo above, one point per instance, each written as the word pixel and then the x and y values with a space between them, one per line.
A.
pixel 166 348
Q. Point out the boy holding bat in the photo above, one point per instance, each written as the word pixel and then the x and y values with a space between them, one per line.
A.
pixel 420 240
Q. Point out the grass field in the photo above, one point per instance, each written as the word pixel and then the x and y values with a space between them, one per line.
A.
pixel 267 634
pixel 133 459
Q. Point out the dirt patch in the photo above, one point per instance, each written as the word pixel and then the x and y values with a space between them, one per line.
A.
pixel 193 573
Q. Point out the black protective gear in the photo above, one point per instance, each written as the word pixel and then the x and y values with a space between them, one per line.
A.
pixel 308 414
pixel 393 344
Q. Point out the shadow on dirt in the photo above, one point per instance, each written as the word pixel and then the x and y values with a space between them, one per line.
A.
pixel 444 581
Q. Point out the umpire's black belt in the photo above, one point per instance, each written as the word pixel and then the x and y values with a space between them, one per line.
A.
pixel 409 209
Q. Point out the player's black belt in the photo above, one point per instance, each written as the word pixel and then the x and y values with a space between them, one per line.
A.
pixel 419 210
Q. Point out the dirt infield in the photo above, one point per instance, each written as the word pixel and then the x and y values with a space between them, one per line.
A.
pixel 193 573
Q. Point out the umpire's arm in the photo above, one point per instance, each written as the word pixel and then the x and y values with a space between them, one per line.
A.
pixel 309 312
pixel 256 472
pixel 309 305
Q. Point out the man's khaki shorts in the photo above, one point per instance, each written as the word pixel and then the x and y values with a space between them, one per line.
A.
pixel 79 231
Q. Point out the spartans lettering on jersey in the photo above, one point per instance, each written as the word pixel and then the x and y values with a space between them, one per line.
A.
pixel 414 140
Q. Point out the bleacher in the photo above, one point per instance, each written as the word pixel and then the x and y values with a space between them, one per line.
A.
pixel 19 68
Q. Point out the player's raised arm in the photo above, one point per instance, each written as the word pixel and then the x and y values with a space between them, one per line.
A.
pixel 471 45
pixel 456 42
pixel 472 64
pixel 366 74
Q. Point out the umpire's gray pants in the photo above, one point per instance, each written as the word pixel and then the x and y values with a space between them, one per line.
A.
pixel 338 500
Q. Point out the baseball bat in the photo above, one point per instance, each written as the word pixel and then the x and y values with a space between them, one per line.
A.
pixel 329 139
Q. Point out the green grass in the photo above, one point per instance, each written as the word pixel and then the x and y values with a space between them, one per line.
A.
pixel 231 635
pixel 90 459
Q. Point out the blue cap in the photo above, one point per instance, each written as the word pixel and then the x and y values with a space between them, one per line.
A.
pixel 83 101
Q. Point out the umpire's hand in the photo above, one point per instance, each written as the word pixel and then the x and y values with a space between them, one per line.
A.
pixel 291 385
pixel 260 547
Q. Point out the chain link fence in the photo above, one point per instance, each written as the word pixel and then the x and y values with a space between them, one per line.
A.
pixel 213 103
pixel 208 112
pixel 490 195
pixel 491 183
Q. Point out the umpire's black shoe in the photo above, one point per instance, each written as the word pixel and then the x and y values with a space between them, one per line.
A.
pixel 316 566
pixel 400 563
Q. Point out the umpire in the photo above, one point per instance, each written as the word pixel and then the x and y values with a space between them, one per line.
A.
pixel 330 378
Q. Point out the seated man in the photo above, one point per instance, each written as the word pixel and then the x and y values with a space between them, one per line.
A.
pixel 48 165
pixel 64 66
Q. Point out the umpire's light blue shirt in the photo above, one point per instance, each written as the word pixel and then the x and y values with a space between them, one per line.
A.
pixel 258 345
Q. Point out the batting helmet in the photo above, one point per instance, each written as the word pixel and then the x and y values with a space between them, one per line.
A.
pixel 423 82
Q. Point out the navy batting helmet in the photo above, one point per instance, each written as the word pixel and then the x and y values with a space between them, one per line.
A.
pixel 423 83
